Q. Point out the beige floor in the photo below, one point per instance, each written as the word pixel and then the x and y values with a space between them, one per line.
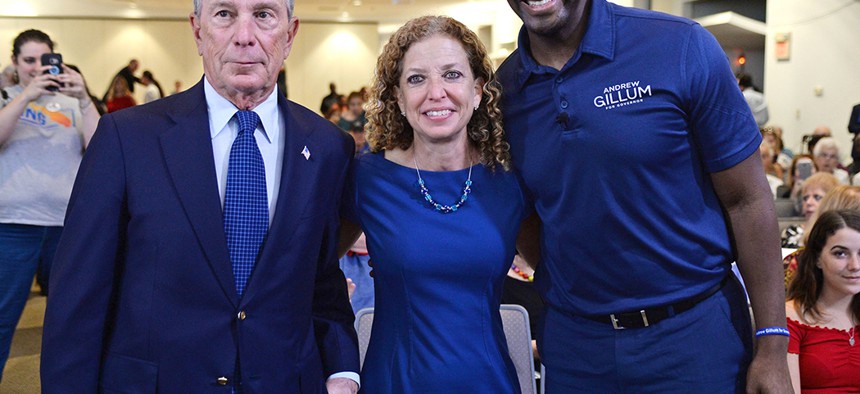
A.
pixel 21 374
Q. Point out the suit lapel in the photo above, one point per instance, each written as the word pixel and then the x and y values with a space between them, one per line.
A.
pixel 187 148
pixel 298 180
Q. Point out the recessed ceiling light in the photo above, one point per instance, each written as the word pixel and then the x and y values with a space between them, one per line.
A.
pixel 356 3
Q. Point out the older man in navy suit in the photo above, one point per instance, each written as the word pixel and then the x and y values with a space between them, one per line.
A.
pixel 199 251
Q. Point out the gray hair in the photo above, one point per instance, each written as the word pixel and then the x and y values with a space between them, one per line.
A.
pixel 825 143
pixel 289 3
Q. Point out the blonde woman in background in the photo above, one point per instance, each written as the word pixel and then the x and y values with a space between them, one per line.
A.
pixel 119 95
pixel 814 189
pixel 841 197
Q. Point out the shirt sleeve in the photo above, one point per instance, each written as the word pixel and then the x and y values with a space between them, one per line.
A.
pixel 349 375
pixel 795 330
pixel 721 121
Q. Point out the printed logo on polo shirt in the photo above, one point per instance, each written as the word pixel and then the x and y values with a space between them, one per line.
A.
pixel 622 94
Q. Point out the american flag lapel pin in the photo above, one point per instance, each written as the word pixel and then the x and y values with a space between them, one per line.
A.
pixel 306 153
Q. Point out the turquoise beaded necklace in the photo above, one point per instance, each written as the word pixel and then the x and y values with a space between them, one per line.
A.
pixel 467 188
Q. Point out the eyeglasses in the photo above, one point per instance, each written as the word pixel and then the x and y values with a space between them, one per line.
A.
pixel 767 131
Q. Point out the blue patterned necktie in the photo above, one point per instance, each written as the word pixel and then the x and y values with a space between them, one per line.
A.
pixel 246 208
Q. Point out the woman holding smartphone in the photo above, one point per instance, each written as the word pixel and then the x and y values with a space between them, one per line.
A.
pixel 46 121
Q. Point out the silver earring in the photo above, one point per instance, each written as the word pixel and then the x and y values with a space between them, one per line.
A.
pixel 402 113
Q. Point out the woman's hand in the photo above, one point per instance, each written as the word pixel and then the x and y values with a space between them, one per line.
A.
pixel 73 85
pixel 38 86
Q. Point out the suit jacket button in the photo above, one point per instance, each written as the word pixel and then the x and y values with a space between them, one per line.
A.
pixel 241 315
pixel 222 381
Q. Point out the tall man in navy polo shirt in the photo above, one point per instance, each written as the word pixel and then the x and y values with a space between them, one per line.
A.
pixel 642 158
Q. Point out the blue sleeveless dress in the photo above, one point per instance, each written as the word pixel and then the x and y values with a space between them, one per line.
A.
pixel 438 277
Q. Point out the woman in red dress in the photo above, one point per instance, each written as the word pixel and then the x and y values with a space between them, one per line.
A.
pixel 823 307
pixel 119 96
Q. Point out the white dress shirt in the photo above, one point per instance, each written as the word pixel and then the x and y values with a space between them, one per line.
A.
pixel 224 127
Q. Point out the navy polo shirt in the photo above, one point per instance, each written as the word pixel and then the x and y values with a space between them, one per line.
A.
pixel 616 151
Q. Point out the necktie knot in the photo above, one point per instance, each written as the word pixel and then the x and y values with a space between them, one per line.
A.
pixel 248 120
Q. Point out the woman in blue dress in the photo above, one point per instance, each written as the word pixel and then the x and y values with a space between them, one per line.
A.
pixel 441 210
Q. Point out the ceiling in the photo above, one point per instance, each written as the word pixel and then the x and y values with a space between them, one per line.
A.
pixel 728 27
pixel 383 11
pixel 740 31
pixel 378 11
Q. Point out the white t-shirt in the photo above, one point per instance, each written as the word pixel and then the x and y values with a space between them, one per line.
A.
pixel 774 183
pixel 757 104
pixel 151 93
pixel 842 175
pixel 39 161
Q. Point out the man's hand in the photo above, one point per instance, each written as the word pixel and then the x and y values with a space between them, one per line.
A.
pixel 341 386
pixel 768 372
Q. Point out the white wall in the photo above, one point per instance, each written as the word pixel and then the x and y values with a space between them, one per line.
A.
pixel 825 52
pixel 674 7
pixel 342 53
pixel 101 47
pixel 323 52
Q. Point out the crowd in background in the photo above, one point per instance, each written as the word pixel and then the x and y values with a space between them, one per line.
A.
pixel 823 189
pixel 120 92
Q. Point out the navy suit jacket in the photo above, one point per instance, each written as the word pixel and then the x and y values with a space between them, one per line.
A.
pixel 142 292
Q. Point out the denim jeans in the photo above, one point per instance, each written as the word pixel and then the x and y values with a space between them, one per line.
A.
pixel 22 247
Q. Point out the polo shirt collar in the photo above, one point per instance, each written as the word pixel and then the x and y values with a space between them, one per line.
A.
pixel 599 40
pixel 221 111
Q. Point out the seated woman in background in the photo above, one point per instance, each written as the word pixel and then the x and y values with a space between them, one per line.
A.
pixel 823 307
pixel 826 155
pixel 354 115
pixel 773 135
pixel 774 178
pixel 842 197
pixel 779 163
pixel 802 167
pixel 119 96
pixel 813 190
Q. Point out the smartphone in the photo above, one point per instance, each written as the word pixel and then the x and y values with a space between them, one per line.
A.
pixel 55 60
pixel 804 170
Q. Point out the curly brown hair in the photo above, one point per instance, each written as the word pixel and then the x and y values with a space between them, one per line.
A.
pixel 388 129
